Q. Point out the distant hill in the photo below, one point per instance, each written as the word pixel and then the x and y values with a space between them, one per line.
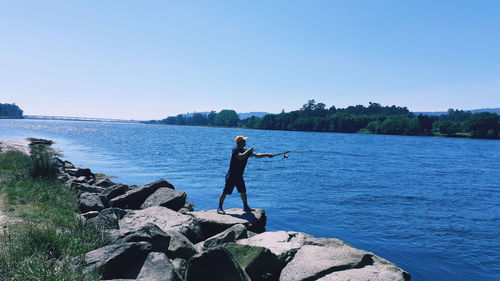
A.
pixel 69 118
pixel 437 113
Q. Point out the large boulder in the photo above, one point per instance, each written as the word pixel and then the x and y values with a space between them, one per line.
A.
pixel 90 202
pixel 134 198
pixel 235 232
pixel 158 267
pixel 259 263
pixel 85 187
pixel 150 233
pixel 166 197
pixel 180 246
pixel 284 244
pixel 215 265
pixel 118 260
pixel 114 191
pixel 312 262
pixel 109 217
pixel 380 270
pixel 213 223
pixel 106 183
pixel 166 219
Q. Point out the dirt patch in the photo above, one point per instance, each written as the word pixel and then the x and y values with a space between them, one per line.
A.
pixel 12 145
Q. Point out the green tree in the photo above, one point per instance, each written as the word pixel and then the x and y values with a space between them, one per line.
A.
pixel 479 124
pixel 226 118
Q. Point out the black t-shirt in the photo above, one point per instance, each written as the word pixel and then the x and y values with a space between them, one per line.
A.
pixel 237 166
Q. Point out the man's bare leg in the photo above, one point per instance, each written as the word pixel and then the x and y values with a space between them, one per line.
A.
pixel 245 203
pixel 221 202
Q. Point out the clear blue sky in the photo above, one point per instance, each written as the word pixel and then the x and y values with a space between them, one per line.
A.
pixel 152 59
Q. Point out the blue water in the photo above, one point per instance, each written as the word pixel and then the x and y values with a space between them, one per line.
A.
pixel 430 205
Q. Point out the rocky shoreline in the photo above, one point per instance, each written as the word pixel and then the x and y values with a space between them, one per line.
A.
pixel 156 235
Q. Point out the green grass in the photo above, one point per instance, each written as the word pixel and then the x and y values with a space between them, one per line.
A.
pixel 47 240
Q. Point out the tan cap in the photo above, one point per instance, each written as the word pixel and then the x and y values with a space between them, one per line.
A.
pixel 240 138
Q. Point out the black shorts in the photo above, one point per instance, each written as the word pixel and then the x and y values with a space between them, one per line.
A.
pixel 232 182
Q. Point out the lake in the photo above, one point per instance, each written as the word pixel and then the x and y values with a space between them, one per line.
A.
pixel 430 205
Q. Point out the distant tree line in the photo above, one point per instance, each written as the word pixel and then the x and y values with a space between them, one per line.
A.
pixel 10 111
pixel 374 118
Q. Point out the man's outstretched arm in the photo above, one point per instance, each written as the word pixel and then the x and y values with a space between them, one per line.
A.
pixel 261 155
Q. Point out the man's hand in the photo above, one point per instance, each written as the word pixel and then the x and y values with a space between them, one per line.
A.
pixel 270 155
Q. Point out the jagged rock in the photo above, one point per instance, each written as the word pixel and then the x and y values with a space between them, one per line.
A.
pixel 284 244
pixel 84 172
pixel 114 191
pixel 213 223
pixel 68 165
pixel 158 267
pixel 180 265
pixel 259 263
pixel 180 246
pixel 150 233
pixel 166 197
pixel 312 262
pixel 109 217
pixel 105 183
pixel 90 215
pixel 134 198
pixel 81 179
pixel 215 265
pixel 166 219
pixel 85 187
pixel 118 260
pixel 90 202
pixel 380 270
pixel 231 234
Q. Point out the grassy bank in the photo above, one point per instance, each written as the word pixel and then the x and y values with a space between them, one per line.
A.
pixel 44 239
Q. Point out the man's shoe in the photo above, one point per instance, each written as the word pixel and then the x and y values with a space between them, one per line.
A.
pixel 220 211
pixel 248 209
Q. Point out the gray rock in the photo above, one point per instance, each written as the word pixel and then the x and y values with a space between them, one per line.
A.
pixel 134 198
pixel 166 219
pixel 215 265
pixel 68 165
pixel 213 223
pixel 90 215
pixel 114 191
pixel 231 234
pixel 166 197
pixel 312 262
pixel 109 217
pixel 158 267
pixel 118 260
pixel 180 265
pixel 90 202
pixel 150 233
pixel 85 172
pixel 284 244
pixel 82 179
pixel 105 183
pixel 259 263
pixel 380 270
pixel 180 246
pixel 85 187
pixel 188 207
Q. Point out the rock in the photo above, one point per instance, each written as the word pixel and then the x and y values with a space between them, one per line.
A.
pixel 108 218
pixel 166 197
pixel 166 219
pixel 284 244
pixel 105 183
pixel 312 262
pixel 90 202
pixel 68 165
pixel 213 223
pixel 259 263
pixel 236 232
pixel 180 246
pixel 150 233
pixel 90 215
pixel 158 267
pixel 215 265
pixel 180 265
pixel 134 198
pixel 380 270
pixel 85 187
pixel 118 260
pixel 81 179
pixel 114 191
pixel 85 172
pixel 71 171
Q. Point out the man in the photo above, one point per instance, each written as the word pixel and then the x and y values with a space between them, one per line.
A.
pixel 234 176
